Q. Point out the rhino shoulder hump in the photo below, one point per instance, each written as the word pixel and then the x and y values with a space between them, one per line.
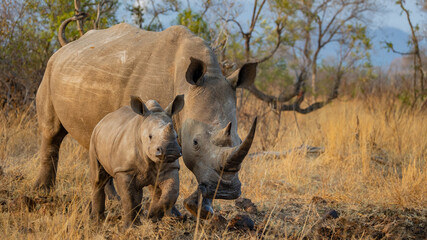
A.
pixel 179 30
pixel 123 26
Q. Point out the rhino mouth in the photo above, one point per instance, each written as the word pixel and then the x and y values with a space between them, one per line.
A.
pixel 228 170
pixel 171 158
pixel 227 195
pixel 226 190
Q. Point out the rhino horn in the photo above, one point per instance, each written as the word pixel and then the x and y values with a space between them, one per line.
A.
pixel 238 153
pixel 226 130
pixel 169 128
pixel 223 137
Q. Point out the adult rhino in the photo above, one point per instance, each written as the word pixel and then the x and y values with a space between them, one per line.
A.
pixel 96 74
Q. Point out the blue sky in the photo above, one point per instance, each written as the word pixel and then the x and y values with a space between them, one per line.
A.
pixel 391 16
pixel 388 24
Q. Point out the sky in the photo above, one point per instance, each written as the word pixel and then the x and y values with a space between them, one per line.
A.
pixel 392 15
pixel 388 24
pixel 391 25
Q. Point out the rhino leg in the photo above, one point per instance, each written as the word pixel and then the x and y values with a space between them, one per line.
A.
pixel 99 178
pixel 49 160
pixel 131 197
pixel 192 204
pixel 175 212
pixel 110 190
pixel 164 197
pixel 52 133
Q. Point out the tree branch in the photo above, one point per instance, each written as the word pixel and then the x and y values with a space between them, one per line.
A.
pixel 98 14
pixel 61 33
pixel 281 98
pixel 257 15
pixel 79 21
pixel 236 22
pixel 279 29
pixel 418 62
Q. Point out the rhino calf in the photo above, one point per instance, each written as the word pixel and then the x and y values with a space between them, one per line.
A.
pixel 137 146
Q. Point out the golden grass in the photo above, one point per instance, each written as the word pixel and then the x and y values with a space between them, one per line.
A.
pixel 373 173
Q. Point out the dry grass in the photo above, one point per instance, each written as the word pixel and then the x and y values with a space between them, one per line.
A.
pixel 373 173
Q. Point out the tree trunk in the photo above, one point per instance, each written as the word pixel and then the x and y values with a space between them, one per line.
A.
pixel 313 78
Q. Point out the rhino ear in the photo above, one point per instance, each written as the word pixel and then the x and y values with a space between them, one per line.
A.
pixel 243 77
pixel 195 71
pixel 175 106
pixel 138 106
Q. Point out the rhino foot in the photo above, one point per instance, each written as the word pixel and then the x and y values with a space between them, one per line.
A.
pixel 96 217
pixel 44 185
pixel 191 204
pixel 132 224
pixel 175 212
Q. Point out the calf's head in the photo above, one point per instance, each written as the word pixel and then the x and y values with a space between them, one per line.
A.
pixel 157 134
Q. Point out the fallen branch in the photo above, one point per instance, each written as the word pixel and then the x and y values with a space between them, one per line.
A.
pixel 302 148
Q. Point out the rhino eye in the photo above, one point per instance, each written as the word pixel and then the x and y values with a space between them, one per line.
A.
pixel 195 142
pixel 150 136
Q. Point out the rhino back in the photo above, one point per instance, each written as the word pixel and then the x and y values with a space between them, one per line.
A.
pixel 113 139
pixel 97 73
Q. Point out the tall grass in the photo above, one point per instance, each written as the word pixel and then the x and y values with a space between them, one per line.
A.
pixel 374 153
pixel 374 159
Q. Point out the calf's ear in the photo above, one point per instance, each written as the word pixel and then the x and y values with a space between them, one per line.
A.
pixel 244 76
pixel 138 106
pixel 175 106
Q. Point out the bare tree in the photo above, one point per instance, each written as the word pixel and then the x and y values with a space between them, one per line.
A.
pixel 416 53
pixel 78 17
pixel 312 26
pixel 137 12
pixel 152 8
pixel 77 12
pixel 102 7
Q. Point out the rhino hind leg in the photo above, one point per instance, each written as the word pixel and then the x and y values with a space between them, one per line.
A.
pixel 99 179
pixel 49 154
pixel 52 133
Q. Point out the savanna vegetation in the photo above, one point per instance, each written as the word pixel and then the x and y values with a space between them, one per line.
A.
pixel 340 150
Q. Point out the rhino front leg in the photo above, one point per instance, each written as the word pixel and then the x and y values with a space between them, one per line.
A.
pixel 192 204
pixel 131 196
pixel 164 198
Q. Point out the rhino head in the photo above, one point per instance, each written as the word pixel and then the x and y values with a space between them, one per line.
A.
pixel 212 149
pixel 158 136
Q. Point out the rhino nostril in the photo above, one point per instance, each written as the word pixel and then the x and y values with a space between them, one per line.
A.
pixel 159 152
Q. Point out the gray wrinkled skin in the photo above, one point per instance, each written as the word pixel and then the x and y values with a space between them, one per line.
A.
pixel 137 147
pixel 96 74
